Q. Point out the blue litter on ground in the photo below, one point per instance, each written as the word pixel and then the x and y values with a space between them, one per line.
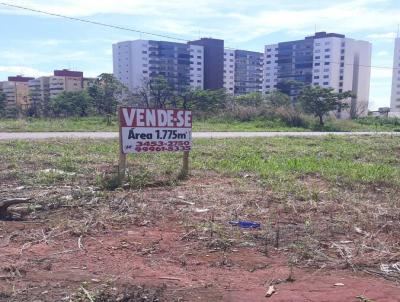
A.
pixel 246 224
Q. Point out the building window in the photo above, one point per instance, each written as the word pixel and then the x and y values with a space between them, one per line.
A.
pixel 316 70
pixel 317 64
pixel 268 56
pixel 268 62
pixel 326 63
pixel 326 76
pixel 316 77
pixel 268 49
pixel 327 56
pixel 326 83
pixel 317 44
pixel 327 49
pixel 316 84
pixel 144 51
pixel 317 57
pixel 317 51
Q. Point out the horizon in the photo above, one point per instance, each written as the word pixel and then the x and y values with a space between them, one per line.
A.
pixel 39 44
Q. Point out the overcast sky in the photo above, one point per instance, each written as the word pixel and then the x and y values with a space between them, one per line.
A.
pixel 33 44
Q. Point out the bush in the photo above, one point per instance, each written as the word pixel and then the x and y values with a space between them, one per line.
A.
pixel 242 113
pixel 377 120
pixel 292 117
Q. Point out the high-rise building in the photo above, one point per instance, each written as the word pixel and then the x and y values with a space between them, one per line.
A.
pixel 326 60
pixel 248 71
pixel 229 71
pixel 135 62
pixel 16 90
pixel 243 71
pixel 395 98
pixel 213 62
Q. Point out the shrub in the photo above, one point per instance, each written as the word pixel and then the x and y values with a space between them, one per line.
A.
pixel 292 117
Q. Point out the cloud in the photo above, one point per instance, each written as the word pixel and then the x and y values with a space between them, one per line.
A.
pixel 237 20
pixel 23 70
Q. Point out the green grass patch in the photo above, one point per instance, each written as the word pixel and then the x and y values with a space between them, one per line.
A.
pixel 98 123
pixel 277 162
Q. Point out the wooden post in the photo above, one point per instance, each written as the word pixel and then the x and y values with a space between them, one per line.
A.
pixel 122 155
pixel 185 165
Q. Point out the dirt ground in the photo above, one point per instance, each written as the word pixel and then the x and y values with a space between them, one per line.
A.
pixel 172 244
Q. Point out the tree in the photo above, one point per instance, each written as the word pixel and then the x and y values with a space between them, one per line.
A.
pixel 184 98
pixel 106 92
pixel 320 101
pixel 3 103
pixel 210 101
pixel 155 93
pixel 71 104
pixel 253 99
pixel 278 99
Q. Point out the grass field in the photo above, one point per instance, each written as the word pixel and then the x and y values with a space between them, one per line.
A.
pixel 337 160
pixel 326 203
pixel 212 124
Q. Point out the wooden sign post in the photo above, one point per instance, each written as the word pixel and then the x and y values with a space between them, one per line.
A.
pixel 144 130
pixel 122 155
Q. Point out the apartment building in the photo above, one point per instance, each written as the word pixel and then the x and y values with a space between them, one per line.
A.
pixel 16 90
pixel 395 97
pixel 243 71
pixel 229 71
pixel 39 90
pixel 65 80
pixel 248 71
pixel 135 62
pixel 88 82
pixel 326 60
pixel 213 62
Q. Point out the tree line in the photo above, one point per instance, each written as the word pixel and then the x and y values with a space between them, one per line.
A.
pixel 106 93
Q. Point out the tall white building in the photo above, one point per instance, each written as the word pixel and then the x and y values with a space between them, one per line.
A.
pixel 181 64
pixel 270 72
pixel 395 99
pixel 229 70
pixel 326 60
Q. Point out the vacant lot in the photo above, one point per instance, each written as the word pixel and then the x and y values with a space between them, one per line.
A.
pixel 329 210
pixel 97 123
pixel 100 124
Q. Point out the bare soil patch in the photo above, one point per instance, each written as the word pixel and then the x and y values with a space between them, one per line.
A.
pixel 175 243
